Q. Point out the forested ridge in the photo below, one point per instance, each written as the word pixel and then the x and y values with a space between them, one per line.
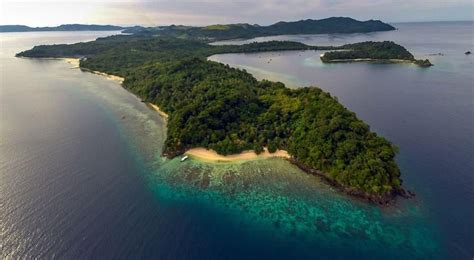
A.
pixel 378 51
pixel 226 109
pixel 62 27
pixel 246 31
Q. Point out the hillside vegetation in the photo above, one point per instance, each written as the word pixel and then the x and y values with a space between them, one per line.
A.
pixel 376 51
pixel 63 27
pixel 244 30
pixel 214 106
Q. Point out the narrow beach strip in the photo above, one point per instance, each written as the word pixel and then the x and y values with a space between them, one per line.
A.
pixel 157 109
pixel 212 156
pixel 76 61
pixel 107 76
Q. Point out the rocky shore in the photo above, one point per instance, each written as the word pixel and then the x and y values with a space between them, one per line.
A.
pixel 382 199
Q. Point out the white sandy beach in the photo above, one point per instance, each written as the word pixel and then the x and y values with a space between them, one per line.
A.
pixel 108 76
pixel 211 155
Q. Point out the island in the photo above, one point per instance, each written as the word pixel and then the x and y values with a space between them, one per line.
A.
pixel 247 31
pixel 226 31
pixel 380 52
pixel 213 106
pixel 63 27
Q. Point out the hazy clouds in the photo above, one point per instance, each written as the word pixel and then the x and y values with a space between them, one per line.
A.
pixel 148 12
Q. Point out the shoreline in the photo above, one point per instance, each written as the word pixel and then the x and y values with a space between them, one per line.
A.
pixel 383 200
pixel 72 61
pixel 208 155
pixel 157 109
pixel 103 74
pixel 421 63
pixel 366 60
pixel 75 62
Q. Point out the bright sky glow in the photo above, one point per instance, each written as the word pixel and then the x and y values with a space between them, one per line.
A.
pixel 200 12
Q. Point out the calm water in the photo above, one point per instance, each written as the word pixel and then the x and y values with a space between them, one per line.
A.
pixel 81 175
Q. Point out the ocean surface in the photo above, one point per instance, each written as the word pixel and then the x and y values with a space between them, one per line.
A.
pixel 81 174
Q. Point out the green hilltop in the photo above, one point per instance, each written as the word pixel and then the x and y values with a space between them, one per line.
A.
pixel 244 30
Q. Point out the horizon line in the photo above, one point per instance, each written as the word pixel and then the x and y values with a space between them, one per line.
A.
pixel 198 25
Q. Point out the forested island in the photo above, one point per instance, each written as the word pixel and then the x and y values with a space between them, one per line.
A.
pixel 62 27
pixel 215 106
pixel 386 51
pixel 247 31
pixel 226 31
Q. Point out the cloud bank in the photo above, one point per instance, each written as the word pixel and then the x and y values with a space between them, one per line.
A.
pixel 200 12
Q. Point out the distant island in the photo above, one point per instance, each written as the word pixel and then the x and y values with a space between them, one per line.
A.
pixel 246 31
pixel 213 106
pixel 226 31
pixel 387 52
pixel 63 27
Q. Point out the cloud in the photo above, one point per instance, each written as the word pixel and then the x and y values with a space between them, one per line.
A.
pixel 200 12
pixel 270 11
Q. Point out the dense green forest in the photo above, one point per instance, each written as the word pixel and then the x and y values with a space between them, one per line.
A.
pixel 244 30
pixel 386 50
pixel 226 31
pixel 214 106
pixel 121 54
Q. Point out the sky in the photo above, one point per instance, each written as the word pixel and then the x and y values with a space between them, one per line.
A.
pixel 204 12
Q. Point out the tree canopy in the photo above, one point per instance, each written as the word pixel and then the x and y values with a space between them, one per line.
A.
pixel 377 51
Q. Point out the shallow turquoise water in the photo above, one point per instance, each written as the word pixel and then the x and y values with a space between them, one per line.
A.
pixel 275 198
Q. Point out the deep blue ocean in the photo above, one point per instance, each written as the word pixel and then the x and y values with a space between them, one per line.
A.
pixel 81 174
